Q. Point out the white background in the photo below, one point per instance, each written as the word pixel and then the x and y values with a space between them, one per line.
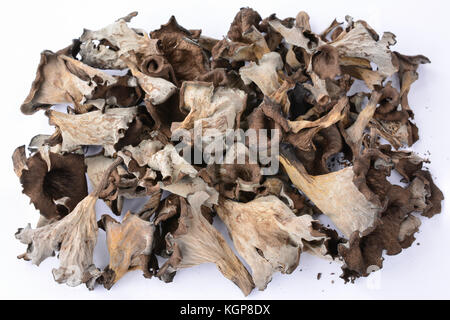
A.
pixel 28 27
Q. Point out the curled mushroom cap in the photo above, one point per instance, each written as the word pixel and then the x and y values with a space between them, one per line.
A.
pixel 54 182
pixel 408 74
pixel 233 51
pixel 359 43
pixel 115 41
pixel 335 115
pixel 355 132
pixel 61 79
pixel 144 151
pixel 182 50
pixel 216 108
pixel 302 21
pixel 19 158
pixel 268 235
pixel 171 164
pixel 244 20
pixel 264 74
pixel 196 241
pixel 92 128
pixel 336 195
pixel 318 89
pixel 130 245
pixel 188 186
pixel 158 90
pixel 294 35
pixel 253 47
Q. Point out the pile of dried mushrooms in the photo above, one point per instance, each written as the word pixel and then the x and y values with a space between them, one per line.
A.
pixel 128 92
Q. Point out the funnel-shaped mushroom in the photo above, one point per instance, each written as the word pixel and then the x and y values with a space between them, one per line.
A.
pixel 196 241
pixel 130 245
pixel 336 195
pixel 268 235
pixel 74 237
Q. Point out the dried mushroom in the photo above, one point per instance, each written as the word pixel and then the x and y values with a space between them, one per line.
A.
pixel 268 235
pixel 337 196
pixel 54 182
pixel 268 130
pixel 218 109
pixel 104 48
pixel 130 245
pixel 62 79
pixel 196 241
pixel 360 43
pixel 264 74
pixel 92 128
pixel 74 237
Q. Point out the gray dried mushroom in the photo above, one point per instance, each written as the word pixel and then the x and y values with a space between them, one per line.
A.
pixel 268 235
pixel 196 241
pixel 268 81
pixel 74 237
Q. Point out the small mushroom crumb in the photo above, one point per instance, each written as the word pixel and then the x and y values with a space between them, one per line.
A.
pixel 263 129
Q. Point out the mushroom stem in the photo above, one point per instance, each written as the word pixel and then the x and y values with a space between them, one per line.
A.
pixel 104 181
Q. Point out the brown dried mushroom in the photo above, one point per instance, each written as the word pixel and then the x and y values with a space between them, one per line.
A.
pixel 130 245
pixel 54 182
pixel 270 130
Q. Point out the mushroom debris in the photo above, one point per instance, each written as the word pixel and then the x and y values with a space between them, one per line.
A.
pixel 331 108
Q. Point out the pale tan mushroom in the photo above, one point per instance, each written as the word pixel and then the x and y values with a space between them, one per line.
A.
pixel 371 78
pixel 302 21
pixel 359 43
pixel 188 186
pixel 103 48
pixel 216 109
pixel 158 90
pixel 92 128
pixel 355 132
pixel 171 164
pixel 96 168
pixel 337 196
pixel 264 74
pixel 61 79
pixel 318 89
pixel 196 242
pixel 130 245
pixel 336 114
pixel 268 235
pixel 253 47
pixel 74 237
pixel 408 227
pixel 144 151
pixel 294 35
